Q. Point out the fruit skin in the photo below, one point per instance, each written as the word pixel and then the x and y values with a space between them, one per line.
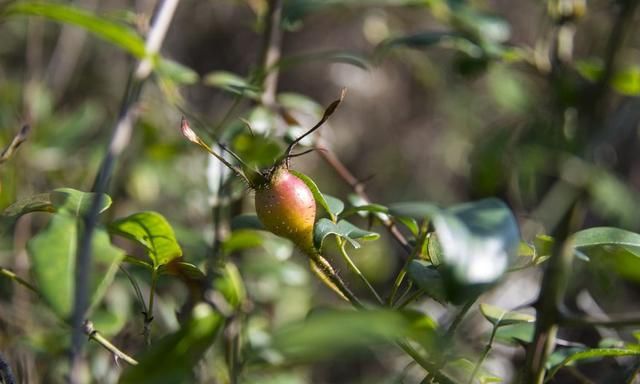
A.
pixel 286 207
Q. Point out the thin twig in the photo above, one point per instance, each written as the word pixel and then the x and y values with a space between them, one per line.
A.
pixel 271 49
pixel 118 142
pixel 11 275
pixel 15 143
pixel 94 335
pixel 484 355
pixel 330 158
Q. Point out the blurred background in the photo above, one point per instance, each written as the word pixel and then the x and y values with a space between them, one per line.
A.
pixel 534 102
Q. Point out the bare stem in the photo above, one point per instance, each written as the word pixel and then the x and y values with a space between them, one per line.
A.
pixel 118 142
pixel 18 139
pixel 271 50
pixel 11 275
pixel 98 338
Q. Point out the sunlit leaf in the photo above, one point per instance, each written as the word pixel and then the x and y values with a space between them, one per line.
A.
pixel 591 354
pixel 176 72
pixel 153 231
pixel 317 195
pixel 519 333
pixel 172 358
pixel 500 317
pixel 342 229
pixel 115 33
pixel 231 82
pixel 64 200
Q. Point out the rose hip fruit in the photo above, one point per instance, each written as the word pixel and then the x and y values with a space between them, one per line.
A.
pixel 286 207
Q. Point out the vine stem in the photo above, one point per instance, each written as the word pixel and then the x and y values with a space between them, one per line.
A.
pixel 118 142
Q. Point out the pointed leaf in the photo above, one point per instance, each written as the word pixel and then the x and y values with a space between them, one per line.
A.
pixel 317 195
pixel 594 353
pixel 232 83
pixel 151 230
pixel 66 200
pixel 500 317
pixel 115 33
pixel 343 229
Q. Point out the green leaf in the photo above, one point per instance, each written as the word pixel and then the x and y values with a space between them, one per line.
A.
pixel 171 359
pixel 500 317
pixel 76 203
pixel 329 56
pixel 342 229
pixel 242 239
pixel 478 241
pixel 36 203
pixel 247 221
pixel 151 230
pixel 594 353
pixel 414 210
pixel 520 333
pixel 625 81
pixel 336 206
pixel 363 209
pixel 115 33
pixel 600 236
pixel 317 195
pixel 64 200
pixel 427 278
pixel 333 333
pixel 229 284
pixel 232 83
pixel 176 72
pixel 182 269
pixel 53 254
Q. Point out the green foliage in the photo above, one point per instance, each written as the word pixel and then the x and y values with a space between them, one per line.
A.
pixel 53 250
pixel 111 31
pixel 153 232
pixel 171 359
